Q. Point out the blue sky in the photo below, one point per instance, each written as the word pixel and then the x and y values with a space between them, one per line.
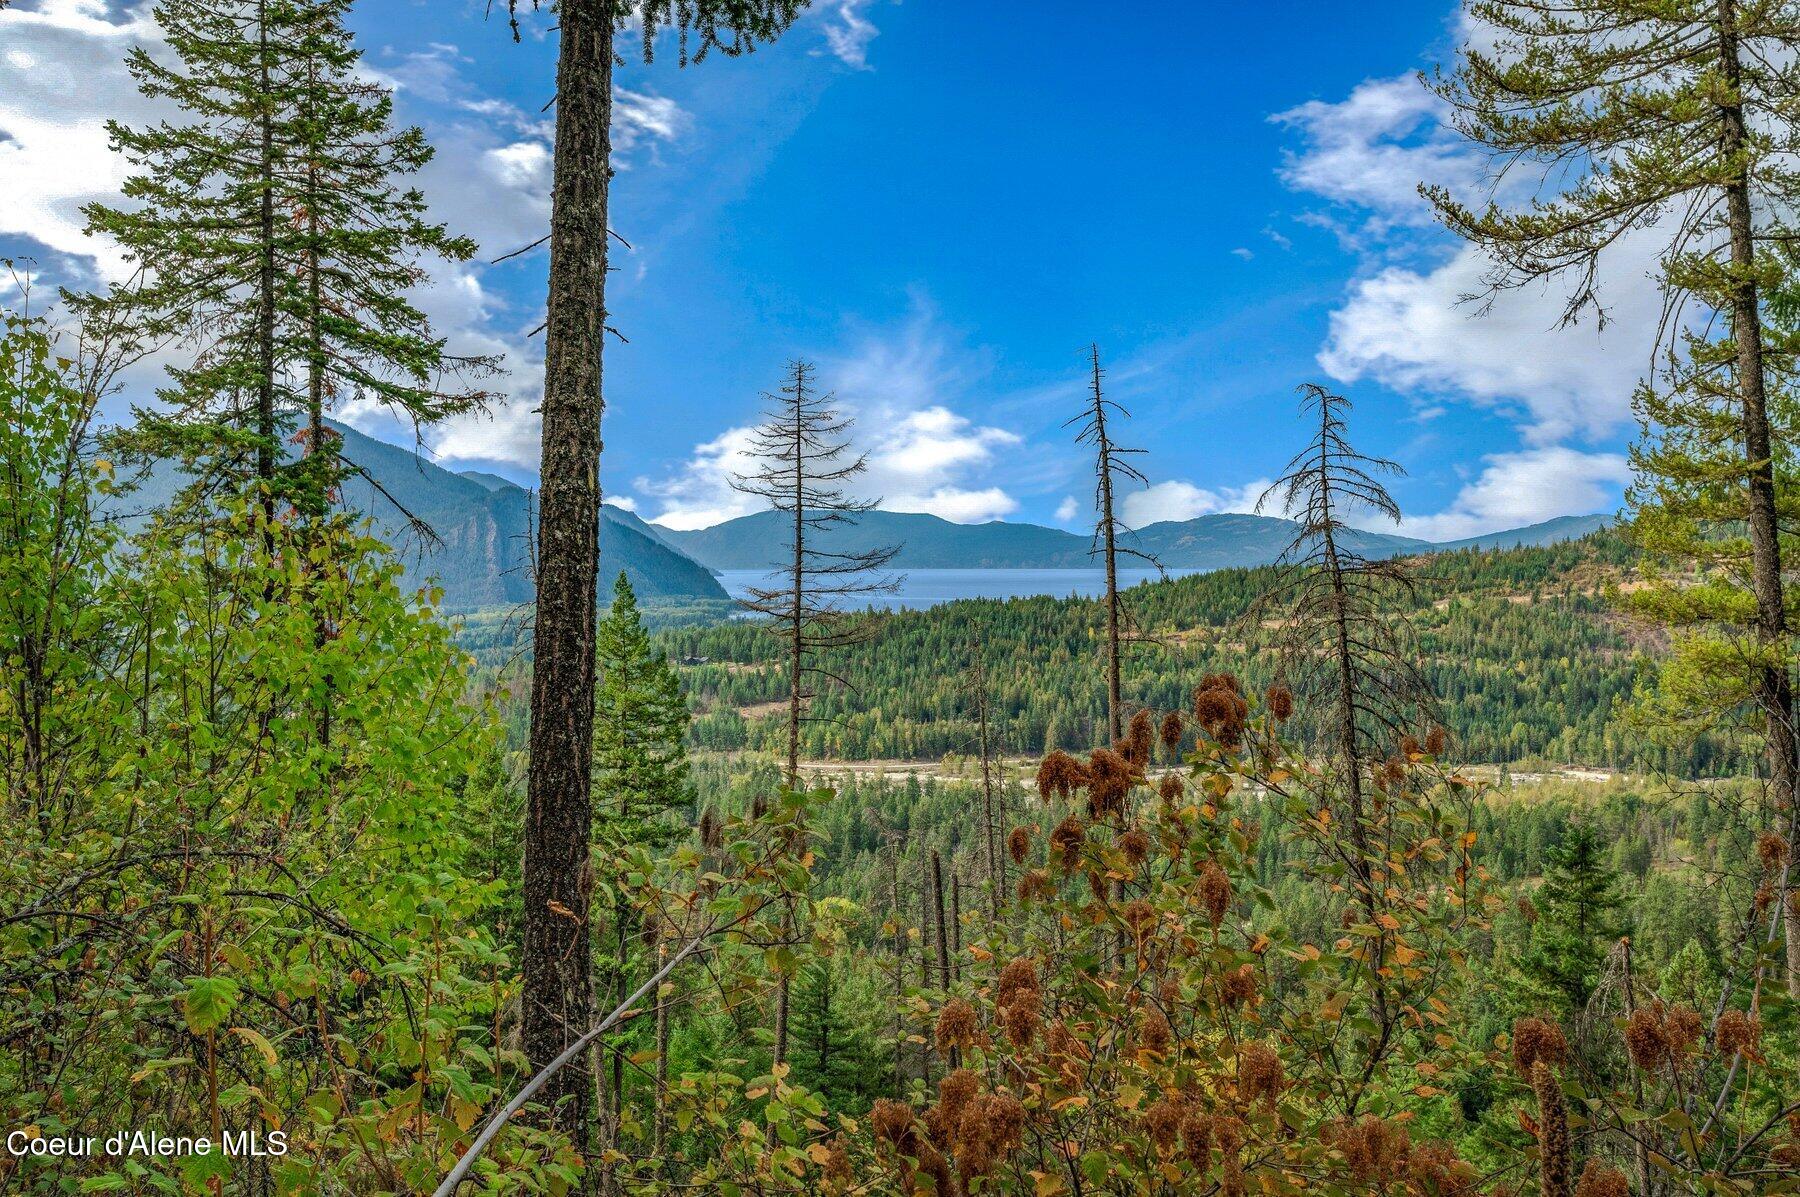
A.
pixel 942 205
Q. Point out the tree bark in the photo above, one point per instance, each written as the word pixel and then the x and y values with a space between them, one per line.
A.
pixel 265 276
pixel 1773 685
pixel 558 877
pixel 1115 716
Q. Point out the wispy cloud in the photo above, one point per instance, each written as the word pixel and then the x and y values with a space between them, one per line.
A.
pixel 848 31
pixel 1406 320
pixel 903 387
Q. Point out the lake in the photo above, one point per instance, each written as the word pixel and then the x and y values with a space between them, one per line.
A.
pixel 929 587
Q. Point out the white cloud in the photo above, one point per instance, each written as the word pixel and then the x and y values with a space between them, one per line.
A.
pixel 922 454
pixel 700 494
pixel 62 75
pixel 1067 510
pixel 1526 487
pixel 622 502
pixel 1178 500
pixel 1243 252
pixel 1370 151
pixel 1407 330
pixel 848 31
pixel 1407 321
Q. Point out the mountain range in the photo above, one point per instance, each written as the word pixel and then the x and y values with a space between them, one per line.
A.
pixel 481 523
pixel 927 542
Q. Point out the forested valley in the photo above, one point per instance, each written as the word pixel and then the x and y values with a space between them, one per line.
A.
pixel 1263 880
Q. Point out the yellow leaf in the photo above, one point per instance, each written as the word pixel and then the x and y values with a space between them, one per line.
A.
pixel 263 1047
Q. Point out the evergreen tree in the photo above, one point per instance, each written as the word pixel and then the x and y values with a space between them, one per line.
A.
pixel 1577 908
pixel 557 998
pixel 272 239
pixel 1682 116
pixel 640 729
pixel 640 781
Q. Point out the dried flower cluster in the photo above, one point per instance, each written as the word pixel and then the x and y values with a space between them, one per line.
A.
pixel 1260 1074
pixel 957 1026
pixel 1658 1035
pixel 1215 892
pixel 1059 775
pixel 1019 1001
pixel 1597 1180
pixel 1067 841
pixel 1534 1040
pixel 1018 844
pixel 1220 709
pixel 1110 777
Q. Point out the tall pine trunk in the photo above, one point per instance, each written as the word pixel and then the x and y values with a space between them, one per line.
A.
pixel 558 879
pixel 1774 688
pixel 265 274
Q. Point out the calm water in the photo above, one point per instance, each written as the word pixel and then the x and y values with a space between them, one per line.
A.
pixel 929 587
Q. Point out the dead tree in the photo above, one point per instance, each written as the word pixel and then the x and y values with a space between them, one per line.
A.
pixel 1110 463
pixel 804 448
pixel 1342 643
pixel 975 686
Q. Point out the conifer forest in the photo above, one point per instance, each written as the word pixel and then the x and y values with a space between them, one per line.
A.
pixel 1400 814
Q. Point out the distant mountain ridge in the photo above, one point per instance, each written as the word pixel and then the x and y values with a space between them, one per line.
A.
pixel 483 526
pixel 1205 542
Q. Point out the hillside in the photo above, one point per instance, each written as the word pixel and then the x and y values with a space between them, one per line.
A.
pixel 1520 645
pixel 482 526
pixel 928 542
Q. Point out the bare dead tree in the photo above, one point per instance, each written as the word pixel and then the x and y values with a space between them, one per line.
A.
pixel 975 686
pixel 1340 641
pixel 804 448
pixel 1111 462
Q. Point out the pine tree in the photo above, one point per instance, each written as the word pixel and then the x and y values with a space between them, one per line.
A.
pixel 557 995
pixel 272 238
pixel 804 444
pixel 640 728
pixel 1683 117
pixel 361 239
pixel 642 789
pixel 1577 905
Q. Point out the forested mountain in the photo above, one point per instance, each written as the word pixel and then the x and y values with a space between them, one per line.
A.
pixel 478 546
pixel 928 542
pixel 1523 648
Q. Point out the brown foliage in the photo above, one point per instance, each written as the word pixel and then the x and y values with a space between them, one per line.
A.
pixel 1018 844
pixel 1135 845
pixel 1555 1168
pixel 956 1026
pixel 1172 730
pixel 1597 1180
pixel 1260 1075
pixel 1154 1034
pixel 1238 986
pixel 1059 775
pixel 1036 886
pixel 1280 701
pixel 1215 892
pixel 1738 1032
pixel 1772 851
pixel 1110 778
pixel 1535 1039
pixel 1067 841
